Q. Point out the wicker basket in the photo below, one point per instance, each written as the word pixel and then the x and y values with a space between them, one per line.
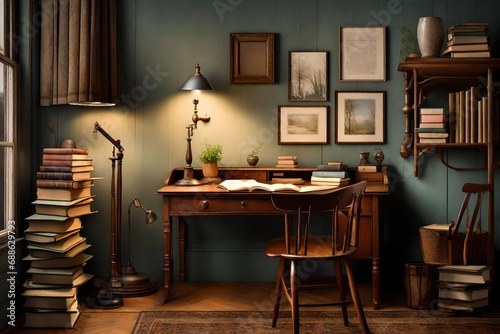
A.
pixel 435 247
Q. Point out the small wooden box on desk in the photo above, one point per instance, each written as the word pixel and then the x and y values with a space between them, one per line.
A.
pixel 210 200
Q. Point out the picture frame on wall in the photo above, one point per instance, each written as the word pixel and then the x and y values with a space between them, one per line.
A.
pixel 363 53
pixel 308 76
pixel 303 124
pixel 360 117
pixel 252 58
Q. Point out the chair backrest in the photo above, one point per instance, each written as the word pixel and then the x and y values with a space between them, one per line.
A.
pixel 343 203
pixel 470 212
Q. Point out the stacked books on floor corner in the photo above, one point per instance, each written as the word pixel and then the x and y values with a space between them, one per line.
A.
pixel 287 161
pixel 334 174
pixel 464 288
pixel 432 126
pixel 468 40
pixel 56 249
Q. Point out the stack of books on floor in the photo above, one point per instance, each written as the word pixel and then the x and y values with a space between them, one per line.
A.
pixel 464 288
pixel 56 248
pixel 334 173
pixel 432 127
pixel 468 40
pixel 287 161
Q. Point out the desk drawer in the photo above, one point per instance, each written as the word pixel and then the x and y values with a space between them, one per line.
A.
pixel 226 206
pixel 246 174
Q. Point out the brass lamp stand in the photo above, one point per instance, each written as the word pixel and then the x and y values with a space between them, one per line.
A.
pixel 194 82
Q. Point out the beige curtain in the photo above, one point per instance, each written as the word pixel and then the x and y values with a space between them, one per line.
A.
pixel 78 51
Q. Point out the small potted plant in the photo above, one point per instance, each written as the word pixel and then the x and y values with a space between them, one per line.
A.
pixel 252 158
pixel 210 157
pixel 408 44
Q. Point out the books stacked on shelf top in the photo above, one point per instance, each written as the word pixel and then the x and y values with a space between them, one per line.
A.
pixel 432 126
pixel 468 40
pixel 334 173
pixel 469 117
pixel 287 161
pixel 464 288
pixel 56 249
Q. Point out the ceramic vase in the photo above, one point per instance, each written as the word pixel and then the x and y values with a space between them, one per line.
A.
pixel 252 160
pixel 430 35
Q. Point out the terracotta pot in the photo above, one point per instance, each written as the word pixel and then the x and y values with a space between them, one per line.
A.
pixel 252 160
pixel 430 35
pixel 210 169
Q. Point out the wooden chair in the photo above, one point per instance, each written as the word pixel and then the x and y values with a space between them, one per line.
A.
pixel 344 206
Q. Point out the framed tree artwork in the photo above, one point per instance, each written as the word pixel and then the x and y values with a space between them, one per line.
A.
pixel 303 124
pixel 308 76
pixel 362 53
pixel 360 117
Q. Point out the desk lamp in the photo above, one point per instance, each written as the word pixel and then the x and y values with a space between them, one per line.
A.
pixel 136 284
pixel 194 82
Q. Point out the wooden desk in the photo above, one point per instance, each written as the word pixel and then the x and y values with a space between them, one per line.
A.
pixel 209 200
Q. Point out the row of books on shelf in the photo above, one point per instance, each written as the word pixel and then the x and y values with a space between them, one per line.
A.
pixel 287 161
pixel 464 288
pixel 56 248
pixel 468 40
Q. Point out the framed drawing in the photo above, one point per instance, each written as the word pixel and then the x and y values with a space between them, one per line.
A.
pixel 360 117
pixel 302 124
pixel 308 76
pixel 252 58
pixel 362 54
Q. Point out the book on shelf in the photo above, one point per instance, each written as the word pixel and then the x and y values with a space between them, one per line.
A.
pixel 292 180
pixel 67 163
pixel 286 166
pixel 368 168
pixel 67 184
pixel 432 118
pixel 49 291
pixel 451 116
pixel 45 237
pixel 465 292
pixel 62 194
pixel 433 140
pixel 329 178
pixel 67 169
pixel 343 183
pixel 50 303
pixel 62 276
pixel 471 54
pixel 251 185
pixel 287 162
pixel 432 111
pixel 77 282
pixel 42 318
pixel 64 262
pixel 52 224
pixel 57 249
pixel 432 125
pixel 51 253
pixel 433 134
pixel 466 47
pixel 47 156
pixel 330 173
pixel 79 176
pixel 62 150
pixel 477 274
pixel 461 305
pixel 431 130
pixel 467 39
pixel 75 208
pixel 329 167
pixel 288 157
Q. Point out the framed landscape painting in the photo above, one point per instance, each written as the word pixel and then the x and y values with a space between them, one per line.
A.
pixel 308 76
pixel 302 124
pixel 360 117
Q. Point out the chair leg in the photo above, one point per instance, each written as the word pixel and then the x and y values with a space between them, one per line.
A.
pixel 294 292
pixel 277 291
pixel 355 298
pixel 339 277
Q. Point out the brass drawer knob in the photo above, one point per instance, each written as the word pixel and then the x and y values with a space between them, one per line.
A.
pixel 204 204
pixel 243 204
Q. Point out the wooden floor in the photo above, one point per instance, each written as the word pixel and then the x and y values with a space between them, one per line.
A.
pixel 228 296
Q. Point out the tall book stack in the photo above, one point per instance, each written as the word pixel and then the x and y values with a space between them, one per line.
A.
pixel 468 40
pixel 337 175
pixel 432 126
pixel 56 248
pixel 464 288
pixel 287 161
pixel 468 121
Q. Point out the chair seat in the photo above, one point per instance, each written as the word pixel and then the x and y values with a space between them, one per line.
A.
pixel 318 247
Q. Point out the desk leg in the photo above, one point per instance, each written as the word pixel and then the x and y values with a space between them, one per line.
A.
pixel 182 249
pixel 376 283
pixel 167 258
pixel 376 253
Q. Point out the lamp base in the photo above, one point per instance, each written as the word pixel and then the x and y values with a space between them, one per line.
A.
pixel 211 180
pixel 188 179
pixel 134 284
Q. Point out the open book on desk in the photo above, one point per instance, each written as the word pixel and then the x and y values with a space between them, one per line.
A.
pixel 251 185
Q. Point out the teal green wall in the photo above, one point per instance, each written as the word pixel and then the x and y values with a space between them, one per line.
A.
pixel 168 38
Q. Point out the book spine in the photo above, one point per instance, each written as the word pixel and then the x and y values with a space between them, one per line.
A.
pixel 54 175
pixel 46 156
pixel 60 150
pixel 431 118
pixel 341 174
pixel 451 116
pixel 58 184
